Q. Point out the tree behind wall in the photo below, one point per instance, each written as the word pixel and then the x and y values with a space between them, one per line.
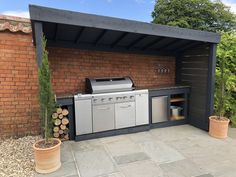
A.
pixel 46 96
pixel 194 14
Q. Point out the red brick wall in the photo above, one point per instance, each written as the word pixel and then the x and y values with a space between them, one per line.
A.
pixel 19 110
pixel 71 66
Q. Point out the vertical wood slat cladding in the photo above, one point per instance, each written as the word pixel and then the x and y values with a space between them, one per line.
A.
pixel 194 72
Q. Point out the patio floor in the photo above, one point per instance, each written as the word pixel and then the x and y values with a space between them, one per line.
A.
pixel 179 151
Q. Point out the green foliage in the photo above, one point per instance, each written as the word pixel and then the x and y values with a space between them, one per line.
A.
pixel 233 121
pixel 210 16
pixel 225 86
pixel 194 14
pixel 46 96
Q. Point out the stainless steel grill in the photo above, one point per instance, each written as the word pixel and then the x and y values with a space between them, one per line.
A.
pixel 110 103
pixel 106 85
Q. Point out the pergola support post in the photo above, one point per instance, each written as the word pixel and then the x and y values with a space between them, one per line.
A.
pixel 211 80
pixel 38 41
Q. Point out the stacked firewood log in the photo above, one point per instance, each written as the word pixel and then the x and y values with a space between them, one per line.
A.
pixel 61 124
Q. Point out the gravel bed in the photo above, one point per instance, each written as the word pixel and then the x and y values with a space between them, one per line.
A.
pixel 16 157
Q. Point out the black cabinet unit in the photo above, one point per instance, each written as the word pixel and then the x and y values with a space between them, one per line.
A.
pixel 68 103
pixel 168 106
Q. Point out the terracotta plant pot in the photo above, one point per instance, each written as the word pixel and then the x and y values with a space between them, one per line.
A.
pixel 47 160
pixel 218 128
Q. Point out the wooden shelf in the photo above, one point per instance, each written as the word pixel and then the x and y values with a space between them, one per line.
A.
pixel 172 100
pixel 177 118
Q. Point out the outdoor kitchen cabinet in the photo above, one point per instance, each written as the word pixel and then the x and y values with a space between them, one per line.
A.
pixel 161 100
pixel 142 109
pixel 125 114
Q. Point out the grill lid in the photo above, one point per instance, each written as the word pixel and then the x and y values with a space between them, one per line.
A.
pixel 112 84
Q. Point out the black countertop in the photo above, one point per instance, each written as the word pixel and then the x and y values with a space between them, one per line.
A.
pixel 163 87
pixel 64 96
pixel 152 88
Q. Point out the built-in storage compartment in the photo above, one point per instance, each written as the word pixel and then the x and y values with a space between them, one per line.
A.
pixel 169 106
pixel 142 108
pixel 83 112
pixel 68 103
pixel 177 106
pixel 103 117
pixel 124 115
pixel 160 109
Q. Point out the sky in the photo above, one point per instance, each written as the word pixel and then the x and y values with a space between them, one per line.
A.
pixel 129 9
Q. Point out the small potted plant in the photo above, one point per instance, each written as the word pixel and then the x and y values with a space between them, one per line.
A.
pixel 218 126
pixel 47 150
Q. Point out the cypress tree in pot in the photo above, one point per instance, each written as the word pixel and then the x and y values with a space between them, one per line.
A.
pixel 47 150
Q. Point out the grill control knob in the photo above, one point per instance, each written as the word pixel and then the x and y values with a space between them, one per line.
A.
pixel 103 99
pixel 95 100
pixel 124 97
pixel 131 97
pixel 110 99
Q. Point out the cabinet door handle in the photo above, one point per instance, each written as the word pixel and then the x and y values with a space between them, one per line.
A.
pixel 125 106
pixel 103 108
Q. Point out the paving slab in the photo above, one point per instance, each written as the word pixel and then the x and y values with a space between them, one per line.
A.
pixel 66 154
pixel 86 145
pixel 232 132
pixel 141 137
pixel 160 152
pixel 142 169
pixel 122 147
pixel 112 139
pixel 119 174
pixel 67 169
pixel 94 162
pixel 205 175
pixel 131 158
pixel 182 168
pixel 175 132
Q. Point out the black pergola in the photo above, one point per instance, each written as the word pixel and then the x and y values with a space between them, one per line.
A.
pixel 194 50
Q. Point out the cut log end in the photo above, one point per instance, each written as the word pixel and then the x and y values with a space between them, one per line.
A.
pixel 57 122
pixel 63 127
pixel 65 112
pixel 65 121
pixel 60 116
pixel 59 110
pixel 54 115
pixel 56 129
pixel 56 135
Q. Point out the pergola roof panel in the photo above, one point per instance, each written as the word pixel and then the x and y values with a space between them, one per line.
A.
pixel 82 30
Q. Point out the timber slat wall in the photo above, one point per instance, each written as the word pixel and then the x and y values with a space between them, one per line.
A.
pixel 194 72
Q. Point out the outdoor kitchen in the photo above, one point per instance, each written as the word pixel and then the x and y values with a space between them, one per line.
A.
pixel 116 78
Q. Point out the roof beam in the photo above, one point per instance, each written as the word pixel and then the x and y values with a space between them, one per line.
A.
pixel 136 41
pixel 168 44
pixel 100 37
pixel 119 39
pixel 188 46
pixel 79 35
pixel 56 32
pixel 157 41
